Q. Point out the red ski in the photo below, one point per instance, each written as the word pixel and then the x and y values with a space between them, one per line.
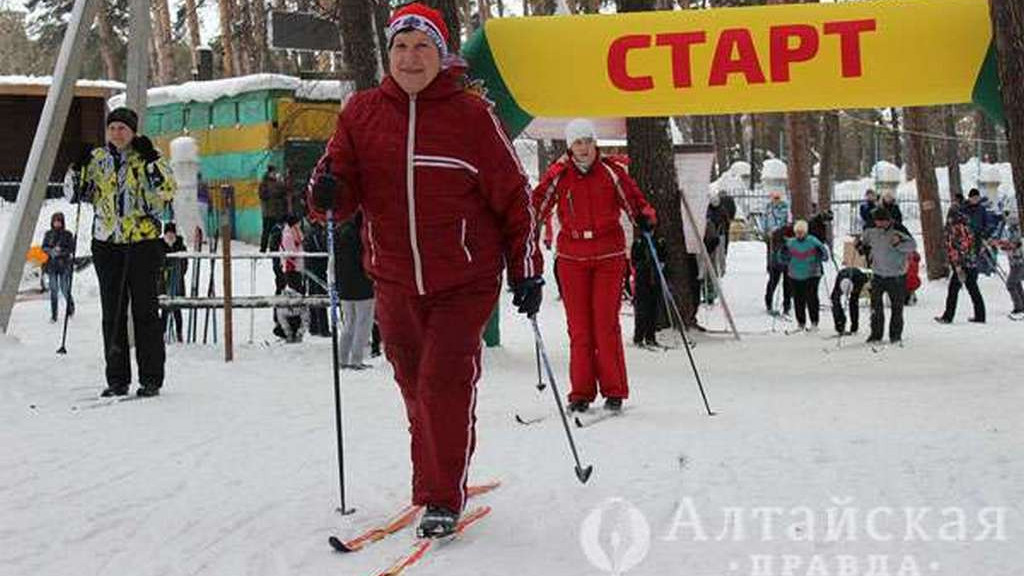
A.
pixel 403 518
pixel 424 545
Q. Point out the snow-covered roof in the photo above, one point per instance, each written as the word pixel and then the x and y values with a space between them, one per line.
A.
pixel 210 90
pixel 887 172
pixel 16 80
pixel 774 169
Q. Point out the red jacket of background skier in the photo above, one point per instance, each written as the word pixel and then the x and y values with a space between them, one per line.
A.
pixel 590 206
pixel 450 202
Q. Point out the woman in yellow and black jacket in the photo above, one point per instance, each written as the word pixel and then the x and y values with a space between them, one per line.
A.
pixel 129 186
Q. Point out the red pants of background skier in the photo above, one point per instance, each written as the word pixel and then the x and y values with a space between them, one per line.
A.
pixel 592 295
pixel 434 344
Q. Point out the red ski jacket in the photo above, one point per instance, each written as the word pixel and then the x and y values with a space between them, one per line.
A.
pixel 589 207
pixel 445 199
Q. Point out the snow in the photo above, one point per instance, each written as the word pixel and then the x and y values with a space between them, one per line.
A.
pixel 15 80
pixel 210 90
pixel 773 169
pixel 886 172
pixel 232 471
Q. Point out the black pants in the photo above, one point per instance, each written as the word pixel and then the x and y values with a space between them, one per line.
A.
pixel 774 276
pixel 319 324
pixel 268 224
pixel 896 288
pixel 645 308
pixel 130 274
pixel 805 296
pixel 952 295
pixel 853 304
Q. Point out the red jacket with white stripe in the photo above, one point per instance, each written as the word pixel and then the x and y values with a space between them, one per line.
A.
pixel 589 207
pixel 445 199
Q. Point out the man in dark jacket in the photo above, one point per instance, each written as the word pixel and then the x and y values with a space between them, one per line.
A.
pixel 273 203
pixel 59 246
pixel 866 208
pixel 446 208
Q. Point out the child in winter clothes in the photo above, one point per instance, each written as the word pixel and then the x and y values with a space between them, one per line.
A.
pixel 962 252
pixel 849 283
pixel 173 276
pixel 804 256
pixel 777 271
pixel 1010 242
pixel 291 241
pixel 59 244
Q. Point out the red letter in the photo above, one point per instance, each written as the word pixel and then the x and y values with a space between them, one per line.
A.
pixel 680 43
pixel 617 73
pixel 746 62
pixel 849 33
pixel 783 54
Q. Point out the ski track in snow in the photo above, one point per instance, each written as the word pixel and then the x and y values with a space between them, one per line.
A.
pixel 233 471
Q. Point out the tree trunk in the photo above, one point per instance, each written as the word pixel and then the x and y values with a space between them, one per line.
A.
pixel 652 165
pixel 381 15
pixel 162 41
pixel 107 43
pixel 194 41
pixel 722 132
pixel 799 165
pixel 927 192
pixel 360 50
pixel 227 37
pixel 989 148
pixel 952 151
pixel 1008 21
pixel 261 49
pixel 897 136
pixel 829 155
pixel 450 10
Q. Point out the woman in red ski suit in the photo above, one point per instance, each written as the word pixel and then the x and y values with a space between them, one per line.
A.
pixel 447 208
pixel 589 192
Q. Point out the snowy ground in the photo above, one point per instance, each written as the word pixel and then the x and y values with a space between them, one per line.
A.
pixel 232 471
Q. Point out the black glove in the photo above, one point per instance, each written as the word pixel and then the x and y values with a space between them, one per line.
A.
pixel 644 223
pixel 83 158
pixel 528 295
pixel 144 146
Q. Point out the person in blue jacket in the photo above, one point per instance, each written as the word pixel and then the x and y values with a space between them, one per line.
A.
pixel 804 257
pixel 866 208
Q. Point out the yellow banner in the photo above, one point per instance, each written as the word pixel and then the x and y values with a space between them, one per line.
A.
pixel 775 58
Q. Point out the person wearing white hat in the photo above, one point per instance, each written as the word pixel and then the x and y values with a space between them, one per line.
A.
pixel 589 192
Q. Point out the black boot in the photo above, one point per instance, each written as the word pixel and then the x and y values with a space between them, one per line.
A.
pixel 613 404
pixel 148 391
pixel 114 391
pixel 437 522
pixel 578 406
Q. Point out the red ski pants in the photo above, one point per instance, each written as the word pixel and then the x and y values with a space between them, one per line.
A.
pixel 434 344
pixel 592 295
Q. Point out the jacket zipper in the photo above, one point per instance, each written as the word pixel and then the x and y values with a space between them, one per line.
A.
pixel 410 192
pixel 469 256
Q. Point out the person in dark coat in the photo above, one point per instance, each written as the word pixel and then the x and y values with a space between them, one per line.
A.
pixel 646 291
pixel 173 276
pixel 59 246
pixel 273 203
pixel 962 255
pixel 849 283
pixel 889 203
pixel 866 208
pixel 356 295
pixel 777 271
pixel 315 240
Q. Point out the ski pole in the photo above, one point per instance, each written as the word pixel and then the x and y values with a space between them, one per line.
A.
pixel 670 306
pixel 582 473
pixel 540 379
pixel 71 281
pixel 332 287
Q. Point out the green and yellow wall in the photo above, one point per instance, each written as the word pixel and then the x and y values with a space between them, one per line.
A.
pixel 238 137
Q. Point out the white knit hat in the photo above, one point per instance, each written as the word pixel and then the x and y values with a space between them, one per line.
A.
pixel 579 129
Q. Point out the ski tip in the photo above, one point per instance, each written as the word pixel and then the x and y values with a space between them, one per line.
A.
pixel 583 474
pixel 339 546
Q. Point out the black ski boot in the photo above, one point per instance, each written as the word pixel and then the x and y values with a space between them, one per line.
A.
pixel 437 522
pixel 613 404
pixel 114 391
pixel 148 391
pixel 578 406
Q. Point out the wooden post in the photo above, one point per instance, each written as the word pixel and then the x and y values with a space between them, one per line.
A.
pixel 227 193
pixel 710 267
